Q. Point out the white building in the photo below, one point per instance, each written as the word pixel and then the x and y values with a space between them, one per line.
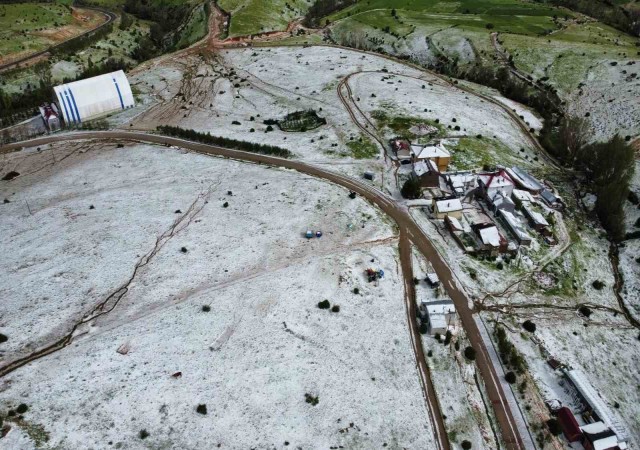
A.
pixel 94 97
pixel 439 315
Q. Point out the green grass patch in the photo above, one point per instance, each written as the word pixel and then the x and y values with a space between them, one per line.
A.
pixel 472 153
pixel 401 125
pixel 258 16
pixel 362 148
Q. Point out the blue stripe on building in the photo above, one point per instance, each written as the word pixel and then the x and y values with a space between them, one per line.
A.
pixel 119 94
pixel 66 111
pixel 75 106
pixel 68 104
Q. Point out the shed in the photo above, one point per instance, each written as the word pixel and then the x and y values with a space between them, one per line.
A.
pixel 524 180
pixel 439 315
pixel 597 436
pixel 94 97
pixel 432 279
pixel 515 227
pixel 551 199
pixel 569 424
pixel 536 220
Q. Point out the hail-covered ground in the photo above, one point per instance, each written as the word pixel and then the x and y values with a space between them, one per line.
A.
pixel 209 294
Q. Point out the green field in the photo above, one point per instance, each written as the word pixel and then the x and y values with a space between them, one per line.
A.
pixel 257 16
pixel 19 22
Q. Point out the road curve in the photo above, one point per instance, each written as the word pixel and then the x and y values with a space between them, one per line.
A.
pixel 408 227
pixel 110 18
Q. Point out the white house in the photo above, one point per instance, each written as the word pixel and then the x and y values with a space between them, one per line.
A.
pixel 491 184
pixel 439 315
pixel 451 207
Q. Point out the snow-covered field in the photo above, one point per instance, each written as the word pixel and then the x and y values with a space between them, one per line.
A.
pixel 251 358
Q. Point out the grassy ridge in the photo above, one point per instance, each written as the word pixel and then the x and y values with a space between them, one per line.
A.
pixel 257 16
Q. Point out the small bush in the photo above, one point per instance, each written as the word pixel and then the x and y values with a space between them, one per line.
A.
pixel 554 426
pixel 202 409
pixel 356 291
pixel 437 336
pixel 184 250
pixel 206 308
pixel 324 304
pixel 143 434
pixel 529 326
pixel 585 311
pixel 429 353
pixel 22 408
pixel 457 346
pixel 424 328
pixel 225 205
pixel 597 285
pixel 235 122
pixel 335 308
pixel 470 353
pixel 466 445
pixel 3 338
pixel 500 266
pixel 510 377
pixel 311 399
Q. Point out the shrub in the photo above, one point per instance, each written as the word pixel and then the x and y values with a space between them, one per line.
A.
pixel 529 326
pixel 335 308
pixel 22 408
pixel 206 308
pixel 597 285
pixel 510 377
pixel 411 189
pixel 585 311
pixel 324 304
pixel 184 250
pixel 202 409
pixel 235 122
pixel 500 266
pixel 489 26
pixel 437 336
pixel 447 337
pixel 269 128
pixel 429 353
pixel 470 353
pixel 225 205
pixel 311 399
pixel 457 346
pixel 466 445
pixel 424 328
pixel 554 426
pixel 3 338
pixel 143 434
pixel 356 291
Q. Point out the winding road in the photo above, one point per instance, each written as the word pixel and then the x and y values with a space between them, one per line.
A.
pixel 410 233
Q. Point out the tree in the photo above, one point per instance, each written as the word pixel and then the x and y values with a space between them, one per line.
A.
pixel 574 134
pixel 554 426
pixel 466 445
pixel 510 377
pixel 470 353
pixel 529 326
pixel 424 328
pixel 411 189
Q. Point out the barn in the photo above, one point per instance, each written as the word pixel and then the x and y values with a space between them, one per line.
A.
pixel 94 97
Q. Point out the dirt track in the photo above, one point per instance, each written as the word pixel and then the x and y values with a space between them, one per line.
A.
pixel 408 229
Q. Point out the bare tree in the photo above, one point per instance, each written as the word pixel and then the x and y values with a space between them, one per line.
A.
pixel 574 134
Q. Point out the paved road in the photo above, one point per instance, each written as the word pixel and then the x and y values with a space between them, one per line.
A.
pixel 110 18
pixel 408 228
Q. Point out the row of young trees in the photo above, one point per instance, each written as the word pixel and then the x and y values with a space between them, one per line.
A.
pixel 323 8
pixel 625 18
pixel 207 138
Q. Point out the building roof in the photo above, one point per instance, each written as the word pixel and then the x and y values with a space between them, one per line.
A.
pixel 433 278
pixel 569 423
pixel 500 200
pixel 438 321
pixel 430 151
pixel 516 226
pixel 495 180
pixel 524 180
pixel 581 383
pixel 490 236
pixel 549 196
pixel 450 205
pixel 523 196
pixel 455 223
pixel 439 309
pixel 93 97
pixel 537 218
pixel 423 167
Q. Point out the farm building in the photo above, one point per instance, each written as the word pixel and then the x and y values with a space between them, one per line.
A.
pixel 521 196
pixel 525 181
pixel 581 390
pixel 490 238
pixel 492 183
pixel 514 225
pixel 426 172
pixel 598 436
pixel 447 207
pixel 94 97
pixel 436 153
pixel 569 424
pixel 439 315
pixel 536 220
pixel 461 182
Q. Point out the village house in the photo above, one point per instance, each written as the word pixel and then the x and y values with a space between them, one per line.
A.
pixel 490 184
pixel 551 200
pixel 516 228
pixel 401 148
pixel 501 202
pixel 598 436
pixel 461 182
pixel 447 207
pixel 536 220
pixel 525 181
pixel 491 241
pixel 522 197
pixel 426 173
pixel 439 315
pixel 436 153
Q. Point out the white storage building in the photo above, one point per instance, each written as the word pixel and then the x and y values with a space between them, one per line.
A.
pixel 90 98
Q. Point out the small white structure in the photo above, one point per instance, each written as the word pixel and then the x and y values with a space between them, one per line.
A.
pixel 433 280
pixel 94 97
pixel 461 182
pixel 449 207
pixel 439 315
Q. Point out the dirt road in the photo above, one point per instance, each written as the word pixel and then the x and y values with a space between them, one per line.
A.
pixel 408 229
